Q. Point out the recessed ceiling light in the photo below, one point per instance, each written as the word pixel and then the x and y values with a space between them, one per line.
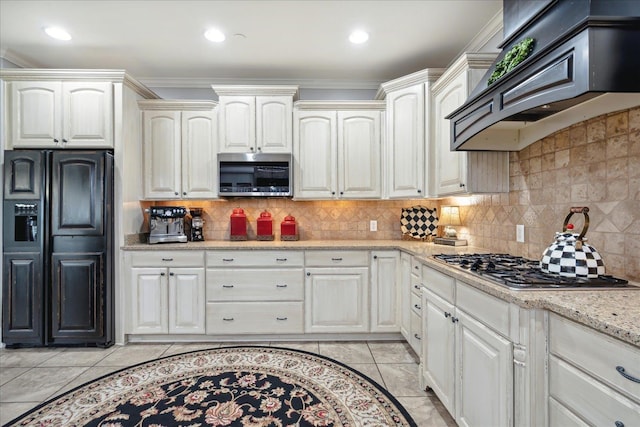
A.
pixel 215 35
pixel 358 37
pixel 57 33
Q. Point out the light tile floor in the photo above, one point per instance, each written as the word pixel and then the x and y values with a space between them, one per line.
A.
pixel 29 377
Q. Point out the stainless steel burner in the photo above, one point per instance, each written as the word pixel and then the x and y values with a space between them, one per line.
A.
pixel 525 274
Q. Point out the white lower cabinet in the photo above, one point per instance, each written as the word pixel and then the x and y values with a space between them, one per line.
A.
pixel 385 291
pixel 593 379
pixel 254 292
pixel 405 293
pixel 466 361
pixel 165 297
pixel 336 291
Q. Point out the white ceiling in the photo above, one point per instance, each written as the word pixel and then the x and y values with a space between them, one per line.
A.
pixel 294 41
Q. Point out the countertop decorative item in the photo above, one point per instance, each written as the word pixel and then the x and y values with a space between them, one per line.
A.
pixel 570 255
pixel 450 216
pixel 265 226
pixel 238 225
pixel 289 229
pixel 515 56
pixel 419 223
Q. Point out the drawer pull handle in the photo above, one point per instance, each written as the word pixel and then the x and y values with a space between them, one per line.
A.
pixel 281 286
pixel 454 319
pixel 336 259
pixel 281 259
pixel 416 267
pixel 172 274
pixel 228 319
pixel 281 318
pixel 227 286
pixel 227 259
pixel 417 307
pixel 416 287
pixel 416 336
pixel 619 424
pixel 447 314
pixel 162 274
pixel 627 376
pixel 167 259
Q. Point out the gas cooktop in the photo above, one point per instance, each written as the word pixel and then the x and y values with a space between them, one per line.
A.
pixel 519 273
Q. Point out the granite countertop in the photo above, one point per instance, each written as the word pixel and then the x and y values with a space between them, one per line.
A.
pixel 613 312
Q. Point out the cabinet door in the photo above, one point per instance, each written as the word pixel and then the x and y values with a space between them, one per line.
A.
pixel 405 295
pixel 149 301
pixel 87 114
pixel 77 292
pixel 22 298
pixel 337 300
pixel 162 155
pixel 484 365
pixel 22 174
pixel 359 154
pixel 450 166
pixel 237 124
pixel 405 129
pixel 315 155
pixel 274 119
pixel 438 347
pixel 385 292
pixel 199 165
pixel 35 114
pixel 186 301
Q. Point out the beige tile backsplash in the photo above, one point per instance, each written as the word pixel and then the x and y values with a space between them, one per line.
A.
pixel 595 163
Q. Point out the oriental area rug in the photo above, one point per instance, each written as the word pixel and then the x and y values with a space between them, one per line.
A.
pixel 231 386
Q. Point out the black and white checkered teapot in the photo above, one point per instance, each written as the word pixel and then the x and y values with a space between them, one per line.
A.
pixel 570 255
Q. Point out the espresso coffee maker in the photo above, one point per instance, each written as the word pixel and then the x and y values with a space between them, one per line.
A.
pixel 196 225
pixel 166 224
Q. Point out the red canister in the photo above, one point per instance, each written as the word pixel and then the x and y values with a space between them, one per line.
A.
pixel 265 226
pixel 288 228
pixel 238 225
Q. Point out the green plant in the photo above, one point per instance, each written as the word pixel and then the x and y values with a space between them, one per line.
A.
pixel 516 55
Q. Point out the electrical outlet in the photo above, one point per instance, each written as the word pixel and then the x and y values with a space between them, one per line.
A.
pixel 373 225
pixel 520 233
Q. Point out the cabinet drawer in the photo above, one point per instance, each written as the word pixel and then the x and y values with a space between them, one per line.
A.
pixel 590 399
pixel 416 268
pixel 416 304
pixel 490 310
pixel 415 339
pixel 255 259
pixel 439 283
pixel 185 258
pixel 255 284
pixel 336 258
pixel 254 318
pixel 595 353
pixel 561 416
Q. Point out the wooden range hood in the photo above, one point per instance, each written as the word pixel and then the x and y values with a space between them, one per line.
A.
pixel 585 62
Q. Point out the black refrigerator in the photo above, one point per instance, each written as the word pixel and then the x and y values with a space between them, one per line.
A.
pixel 57 284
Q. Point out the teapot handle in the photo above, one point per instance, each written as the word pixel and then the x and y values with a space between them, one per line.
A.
pixel 582 210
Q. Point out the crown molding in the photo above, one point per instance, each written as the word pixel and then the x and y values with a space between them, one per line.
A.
pixel 427 75
pixel 340 105
pixel 493 27
pixel 207 82
pixel 176 104
pixel 466 61
pixel 257 90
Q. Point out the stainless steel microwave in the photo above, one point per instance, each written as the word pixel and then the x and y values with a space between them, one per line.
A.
pixel 254 175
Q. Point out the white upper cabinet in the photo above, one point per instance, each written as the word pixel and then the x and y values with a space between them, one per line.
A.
pixel 464 171
pixel 337 151
pixel 255 119
pixel 179 149
pixel 408 122
pixel 56 114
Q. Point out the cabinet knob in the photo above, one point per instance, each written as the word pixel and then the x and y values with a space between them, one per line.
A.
pixel 447 314
pixel 417 287
pixel 172 274
pixel 341 193
pixel 375 257
pixel 259 148
pixel 619 424
pixel 64 141
pixel 416 336
pixel 176 193
pixel 251 148
pixel 162 274
pixel 184 193
pixel 419 191
pixel 333 193
pixel 454 319
pixel 417 307
pixel 55 140
pixel 308 274
pixel 461 185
